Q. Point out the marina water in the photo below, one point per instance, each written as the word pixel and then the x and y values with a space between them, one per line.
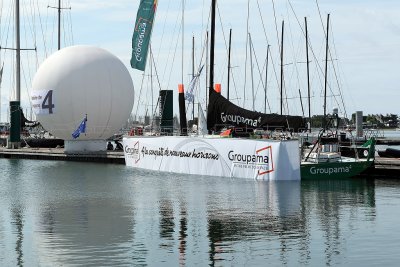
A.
pixel 56 213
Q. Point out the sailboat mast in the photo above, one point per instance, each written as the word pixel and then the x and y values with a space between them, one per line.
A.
pixel 59 24
pixel 193 74
pixel 183 36
pixel 266 81
pixel 229 61
pixel 15 114
pixel 17 53
pixel 212 45
pixel 308 75
pixel 283 26
pixel 326 69
pixel 207 91
pixel 251 70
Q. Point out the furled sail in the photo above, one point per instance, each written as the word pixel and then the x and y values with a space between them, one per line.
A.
pixel 221 113
pixel 142 33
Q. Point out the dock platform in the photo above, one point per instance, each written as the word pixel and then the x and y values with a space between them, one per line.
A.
pixel 116 157
pixel 385 167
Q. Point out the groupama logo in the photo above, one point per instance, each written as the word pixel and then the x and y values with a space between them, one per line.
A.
pixel 261 160
pixel 133 152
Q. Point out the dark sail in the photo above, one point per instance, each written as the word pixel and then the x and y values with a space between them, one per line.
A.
pixel 222 113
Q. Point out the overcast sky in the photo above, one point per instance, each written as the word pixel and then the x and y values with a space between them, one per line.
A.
pixel 363 63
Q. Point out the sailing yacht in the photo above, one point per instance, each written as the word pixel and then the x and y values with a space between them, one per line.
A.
pixel 212 154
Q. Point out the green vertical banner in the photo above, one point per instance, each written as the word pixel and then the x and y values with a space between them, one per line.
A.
pixel 142 33
pixel 15 121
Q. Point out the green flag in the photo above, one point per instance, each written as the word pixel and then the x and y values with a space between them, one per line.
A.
pixel 141 35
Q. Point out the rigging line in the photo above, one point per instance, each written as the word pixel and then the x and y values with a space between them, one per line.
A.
pixel 318 66
pixel 276 26
pixel 71 27
pixel 222 29
pixel 155 69
pixel 262 22
pixel 295 61
pixel 173 58
pixel 31 25
pixel 235 85
pixel 336 73
pixel 330 53
pixel 8 32
pixel 266 37
pixel 1 32
pixel 245 62
pixel 46 29
pixel 41 26
pixel 163 30
pixel 166 66
pixel 32 28
pixel 140 94
pixel 204 47
pixel 54 26
pixel 320 17
pixel 225 42
pixel 259 72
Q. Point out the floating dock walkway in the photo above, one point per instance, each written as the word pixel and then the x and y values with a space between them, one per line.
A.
pixel 116 157
pixel 384 167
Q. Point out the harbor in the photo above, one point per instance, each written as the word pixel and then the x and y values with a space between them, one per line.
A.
pixel 158 141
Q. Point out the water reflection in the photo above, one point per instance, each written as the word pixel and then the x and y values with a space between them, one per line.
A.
pixel 330 205
pixel 17 221
pixel 88 214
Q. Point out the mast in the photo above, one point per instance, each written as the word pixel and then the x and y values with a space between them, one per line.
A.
pixel 326 70
pixel 59 8
pixel 15 114
pixel 183 35
pixel 251 70
pixel 212 45
pixel 229 60
pixel 18 53
pixel 207 90
pixel 15 105
pixel 283 26
pixel 193 74
pixel 59 24
pixel 308 76
pixel 266 81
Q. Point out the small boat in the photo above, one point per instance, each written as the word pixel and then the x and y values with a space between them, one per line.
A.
pixel 324 160
pixel 389 153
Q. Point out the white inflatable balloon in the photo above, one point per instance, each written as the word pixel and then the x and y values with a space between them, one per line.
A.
pixel 82 82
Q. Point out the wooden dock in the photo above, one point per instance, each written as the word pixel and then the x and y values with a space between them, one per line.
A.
pixel 385 167
pixel 116 157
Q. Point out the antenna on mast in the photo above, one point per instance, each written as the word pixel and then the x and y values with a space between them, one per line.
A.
pixel 59 8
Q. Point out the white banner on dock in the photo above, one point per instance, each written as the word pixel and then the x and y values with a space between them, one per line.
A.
pixel 230 157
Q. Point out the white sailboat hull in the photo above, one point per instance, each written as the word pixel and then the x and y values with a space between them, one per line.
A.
pixel 229 157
